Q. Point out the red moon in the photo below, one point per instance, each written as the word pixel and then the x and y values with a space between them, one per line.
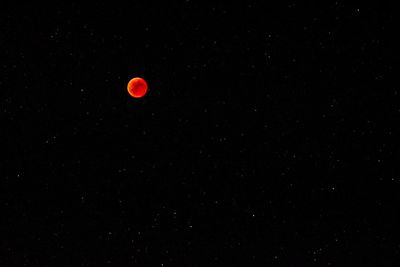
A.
pixel 137 87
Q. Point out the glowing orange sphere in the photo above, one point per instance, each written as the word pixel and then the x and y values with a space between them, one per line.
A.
pixel 137 87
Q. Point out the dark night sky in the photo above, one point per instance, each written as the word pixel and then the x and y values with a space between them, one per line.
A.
pixel 268 136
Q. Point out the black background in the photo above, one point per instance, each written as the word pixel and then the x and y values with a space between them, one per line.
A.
pixel 267 137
